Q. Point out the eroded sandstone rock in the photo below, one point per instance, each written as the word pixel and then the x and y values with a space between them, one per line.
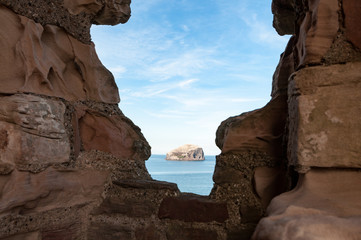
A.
pixel 324 117
pixel 32 129
pixel 46 60
pixel 260 130
pixel 114 134
pixel 27 192
pixel 326 198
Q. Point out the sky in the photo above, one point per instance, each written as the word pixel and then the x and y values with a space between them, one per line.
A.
pixel 184 66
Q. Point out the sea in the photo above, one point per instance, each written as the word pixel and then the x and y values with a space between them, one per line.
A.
pixel 190 176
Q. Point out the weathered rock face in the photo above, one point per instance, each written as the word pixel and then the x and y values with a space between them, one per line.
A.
pixel 72 166
pixel 47 60
pixel 323 127
pixel 187 152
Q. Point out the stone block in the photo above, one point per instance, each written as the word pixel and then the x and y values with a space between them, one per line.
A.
pixel 193 208
pixel 32 131
pixel 114 134
pixel 146 184
pixel 325 117
pixel 228 175
pixel 49 189
pixel 128 207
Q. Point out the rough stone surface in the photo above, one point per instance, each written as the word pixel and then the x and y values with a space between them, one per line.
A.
pixel 114 134
pixel 32 129
pixel 324 116
pixel 114 12
pixel 193 208
pixel 260 130
pixel 47 60
pixel 75 16
pixel 28 192
pixel 326 198
pixel 187 152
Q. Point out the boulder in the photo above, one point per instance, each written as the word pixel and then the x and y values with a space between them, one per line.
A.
pixel 187 152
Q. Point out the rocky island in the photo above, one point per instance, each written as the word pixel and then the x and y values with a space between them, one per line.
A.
pixel 187 152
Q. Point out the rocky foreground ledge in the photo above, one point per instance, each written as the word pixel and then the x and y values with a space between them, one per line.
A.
pixel 187 152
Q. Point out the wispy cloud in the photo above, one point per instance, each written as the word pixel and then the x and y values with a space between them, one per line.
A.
pixel 184 65
pixel 261 32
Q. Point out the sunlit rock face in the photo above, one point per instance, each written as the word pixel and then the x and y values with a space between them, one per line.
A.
pixel 65 146
pixel 323 127
pixel 187 152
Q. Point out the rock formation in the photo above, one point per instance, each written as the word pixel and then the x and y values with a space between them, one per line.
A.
pixel 323 125
pixel 72 165
pixel 187 152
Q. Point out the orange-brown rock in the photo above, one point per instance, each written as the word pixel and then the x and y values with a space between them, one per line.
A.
pixel 46 60
pixel 114 134
pixel 27 192
pixel 260 130
pixel 324 205
pixel 32 129
pixel 352 9
pixel 324 119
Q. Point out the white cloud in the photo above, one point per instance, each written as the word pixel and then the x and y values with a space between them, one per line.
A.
pixel 263 33
pixel 183 65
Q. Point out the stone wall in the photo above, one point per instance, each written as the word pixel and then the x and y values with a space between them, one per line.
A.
pixel 324 124
pixel 72 165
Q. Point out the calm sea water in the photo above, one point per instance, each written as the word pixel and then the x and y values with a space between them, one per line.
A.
pixel 190 176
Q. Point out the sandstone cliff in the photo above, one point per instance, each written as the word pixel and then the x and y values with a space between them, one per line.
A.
pixel 187 152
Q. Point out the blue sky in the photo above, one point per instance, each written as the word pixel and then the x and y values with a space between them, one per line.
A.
pixel 183 66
